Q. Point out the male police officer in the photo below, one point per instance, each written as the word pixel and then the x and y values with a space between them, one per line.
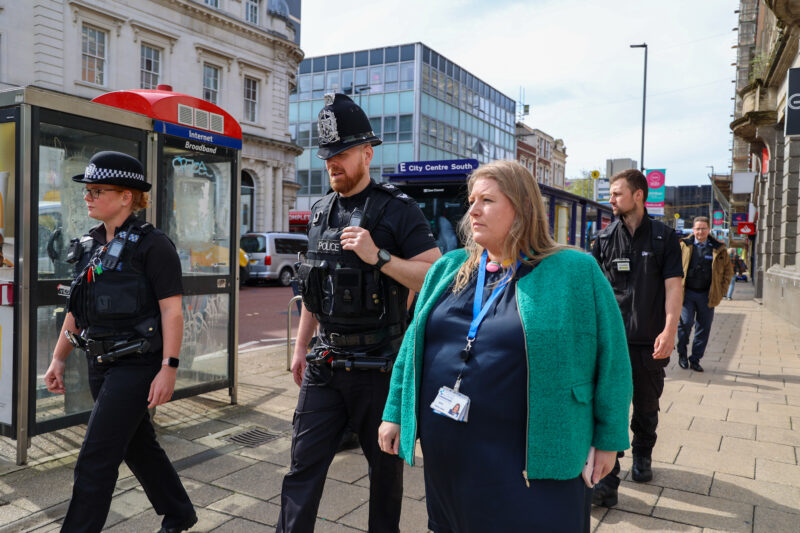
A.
pixel 641 259
pixel 707 272
pixel 368 244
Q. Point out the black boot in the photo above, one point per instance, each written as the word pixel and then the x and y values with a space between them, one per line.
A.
pixel 641 470
pixel 184 526
pixel 604 495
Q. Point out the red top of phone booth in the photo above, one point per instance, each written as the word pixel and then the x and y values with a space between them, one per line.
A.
pixel 164 104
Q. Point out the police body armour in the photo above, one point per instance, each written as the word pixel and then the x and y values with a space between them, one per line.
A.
pixel 343 292
pixel 110 297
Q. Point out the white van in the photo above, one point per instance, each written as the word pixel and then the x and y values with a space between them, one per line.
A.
pixel 273 255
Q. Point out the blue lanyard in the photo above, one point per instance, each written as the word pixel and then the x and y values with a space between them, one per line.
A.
pixel 479 312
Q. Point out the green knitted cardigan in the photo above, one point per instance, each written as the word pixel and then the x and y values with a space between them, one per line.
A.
pixel 579 373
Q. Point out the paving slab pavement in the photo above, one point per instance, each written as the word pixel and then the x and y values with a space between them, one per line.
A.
pixel 726 459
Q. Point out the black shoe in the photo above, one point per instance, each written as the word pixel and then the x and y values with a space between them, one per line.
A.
pixel 641 470
pixel 349 441
pixel 683 362
pixel 184 526
pixel 604 495
pixel 696 366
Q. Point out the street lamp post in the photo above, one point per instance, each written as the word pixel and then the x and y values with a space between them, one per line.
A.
pixel 644 98
pixel 711 201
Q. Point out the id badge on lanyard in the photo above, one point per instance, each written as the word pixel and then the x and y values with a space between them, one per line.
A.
pixel 451 402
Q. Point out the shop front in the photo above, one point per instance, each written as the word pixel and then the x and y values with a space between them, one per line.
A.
pixel 191 152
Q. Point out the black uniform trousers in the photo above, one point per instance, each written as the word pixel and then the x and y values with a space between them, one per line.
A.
pixel 648 384
pixel 120 429
pixel 329 401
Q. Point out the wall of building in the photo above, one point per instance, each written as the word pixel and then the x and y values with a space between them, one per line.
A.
pixel 546 155
pixel 768 46
pixel 41 43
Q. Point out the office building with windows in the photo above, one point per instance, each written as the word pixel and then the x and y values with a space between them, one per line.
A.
pixel 423 106
pixel 90 47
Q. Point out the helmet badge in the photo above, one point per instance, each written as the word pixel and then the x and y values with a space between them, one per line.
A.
pixel 326 125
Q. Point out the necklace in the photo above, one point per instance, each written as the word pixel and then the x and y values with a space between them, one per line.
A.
pixel 494 266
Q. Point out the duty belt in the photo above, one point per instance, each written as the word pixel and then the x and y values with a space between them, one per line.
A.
pixel 324 355
pixel 108 351
pixel 370 338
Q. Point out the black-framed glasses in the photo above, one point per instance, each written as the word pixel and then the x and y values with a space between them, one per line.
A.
pixel 95 193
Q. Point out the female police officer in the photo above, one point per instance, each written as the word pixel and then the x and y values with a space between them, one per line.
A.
pixel 125 313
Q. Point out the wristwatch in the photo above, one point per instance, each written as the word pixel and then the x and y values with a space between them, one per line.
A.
pixel 171 362
pixel 383 257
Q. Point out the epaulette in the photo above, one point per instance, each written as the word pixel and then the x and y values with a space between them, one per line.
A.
pixel 394 191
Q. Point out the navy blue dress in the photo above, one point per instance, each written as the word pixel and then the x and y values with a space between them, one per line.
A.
pixel 473 470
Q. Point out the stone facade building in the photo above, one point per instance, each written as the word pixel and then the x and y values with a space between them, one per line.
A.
pixel 768 38
pixel 239 54
pixel 542 154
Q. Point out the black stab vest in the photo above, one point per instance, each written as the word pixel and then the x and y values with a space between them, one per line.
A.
pixel 114 303
pixel 345 294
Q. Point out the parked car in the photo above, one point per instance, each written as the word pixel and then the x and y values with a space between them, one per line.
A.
pixel 273 255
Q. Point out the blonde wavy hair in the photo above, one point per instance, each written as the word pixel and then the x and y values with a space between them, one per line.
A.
pixel 529 235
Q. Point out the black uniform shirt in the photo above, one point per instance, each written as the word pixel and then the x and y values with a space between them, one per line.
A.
pixel 639 290
pixel 156 256
pixel 402 230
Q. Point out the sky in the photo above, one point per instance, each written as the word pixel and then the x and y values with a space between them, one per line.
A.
pixel 572 61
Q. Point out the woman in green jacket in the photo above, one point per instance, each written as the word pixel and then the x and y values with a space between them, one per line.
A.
pixel 525 336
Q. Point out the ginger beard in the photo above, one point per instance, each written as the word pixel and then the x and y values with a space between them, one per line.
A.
pixel 346 170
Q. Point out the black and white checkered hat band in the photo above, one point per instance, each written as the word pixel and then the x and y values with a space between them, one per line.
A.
pixel 95 173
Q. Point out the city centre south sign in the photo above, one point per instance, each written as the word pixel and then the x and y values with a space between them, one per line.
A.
pixel 452 166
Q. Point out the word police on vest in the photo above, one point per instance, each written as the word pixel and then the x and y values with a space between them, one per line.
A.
pixel 329 246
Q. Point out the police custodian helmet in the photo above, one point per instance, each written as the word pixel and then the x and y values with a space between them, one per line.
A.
pixel 114 168
pixel 342 125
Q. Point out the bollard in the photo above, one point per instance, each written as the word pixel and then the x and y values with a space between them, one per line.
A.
pixel 289 331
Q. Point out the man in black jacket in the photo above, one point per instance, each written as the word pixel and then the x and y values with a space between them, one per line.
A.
pixel 641 258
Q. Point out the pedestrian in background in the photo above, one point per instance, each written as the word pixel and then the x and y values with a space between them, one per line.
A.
pixel 125 313
pixel 513 367
pixel 707 271
pixel 739 268
pixel 641 258
pixel 368 244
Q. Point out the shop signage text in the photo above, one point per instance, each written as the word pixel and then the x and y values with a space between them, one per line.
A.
pixel 455 166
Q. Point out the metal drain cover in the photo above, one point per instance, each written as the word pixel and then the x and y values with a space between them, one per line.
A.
pixel 253 437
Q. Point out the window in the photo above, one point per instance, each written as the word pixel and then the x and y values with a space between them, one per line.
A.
pixel 304 87
pixel 302 180
pixel 318 86
pixel 376 79
pixel 93 47
pixel 391 78
pixel 405 128
pixel 251 11
pixel 347 81
pixel 315 184
pixel 304 134
pixel 332 82
pixel 210 83
pixel 150 67
pixel 375 123
pixel 212 3
pixel 250 99
pixel 390 128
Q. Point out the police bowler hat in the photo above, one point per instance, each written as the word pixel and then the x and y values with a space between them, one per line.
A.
pixel 114 168
pixel 342 125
